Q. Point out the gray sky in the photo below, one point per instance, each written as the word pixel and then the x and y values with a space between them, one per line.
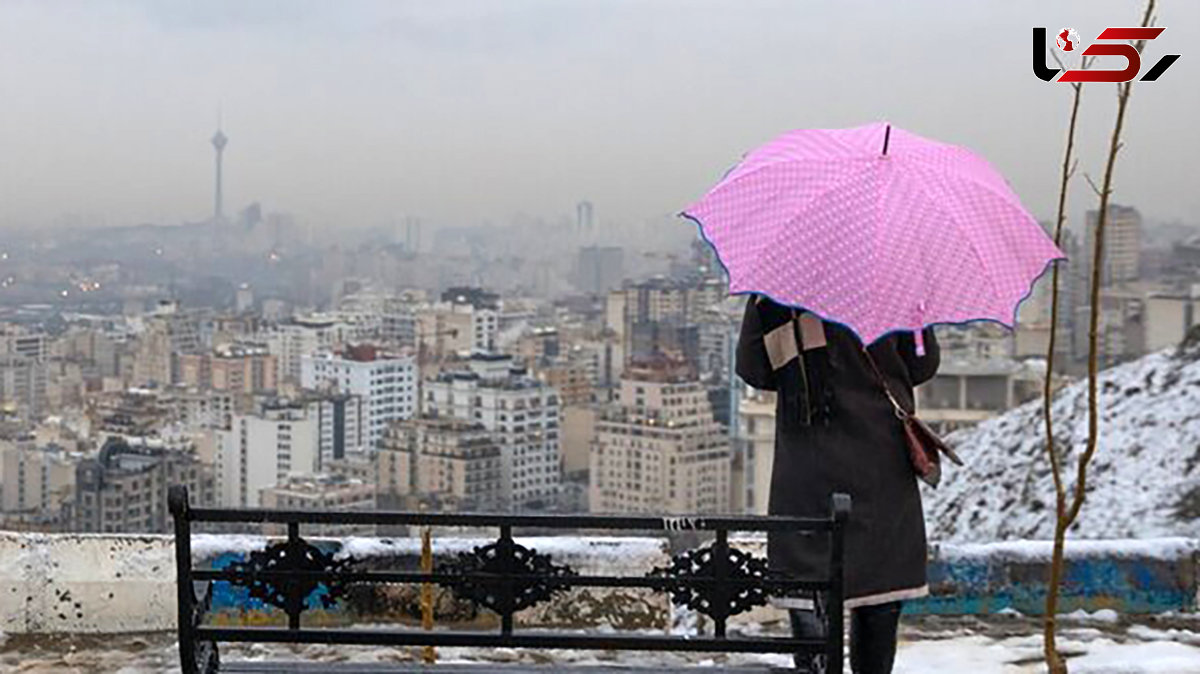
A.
pixel 351 113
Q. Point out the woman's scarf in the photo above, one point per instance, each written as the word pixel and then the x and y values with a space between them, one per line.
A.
pixel 796 346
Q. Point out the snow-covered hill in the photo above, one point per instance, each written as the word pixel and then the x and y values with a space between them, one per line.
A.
pixel 1144 480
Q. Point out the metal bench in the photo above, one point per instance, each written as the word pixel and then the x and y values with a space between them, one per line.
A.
pixel 505 577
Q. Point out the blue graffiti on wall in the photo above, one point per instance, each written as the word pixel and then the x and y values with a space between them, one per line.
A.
pixel 230 597
pixel 984 585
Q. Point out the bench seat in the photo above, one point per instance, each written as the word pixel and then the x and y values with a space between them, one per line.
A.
pixel 475 668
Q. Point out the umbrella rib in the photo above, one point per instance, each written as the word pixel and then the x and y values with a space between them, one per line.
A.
pixel 876 231
pixel 1009 198
pixel 786 226
pixel 964 232
pixel 728 182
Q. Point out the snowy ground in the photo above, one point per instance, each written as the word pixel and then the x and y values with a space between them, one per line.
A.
pixel 1097 644
pixel 1143 483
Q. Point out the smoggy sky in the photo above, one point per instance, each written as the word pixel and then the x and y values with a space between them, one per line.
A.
pixel 353 113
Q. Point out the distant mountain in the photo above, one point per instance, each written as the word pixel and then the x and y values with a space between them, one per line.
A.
pixel 1144 480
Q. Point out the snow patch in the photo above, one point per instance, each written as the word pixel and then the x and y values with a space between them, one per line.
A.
pixel 597 549
pixel 207 546
pixel 1104 615
pixel 1144 480
pixel 1165 549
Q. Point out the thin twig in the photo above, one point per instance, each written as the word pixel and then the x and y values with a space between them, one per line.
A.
pixel 1089 180
pixel 1057 59
pixel 1083 63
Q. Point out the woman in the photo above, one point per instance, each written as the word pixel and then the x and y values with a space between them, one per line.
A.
pixel 836 431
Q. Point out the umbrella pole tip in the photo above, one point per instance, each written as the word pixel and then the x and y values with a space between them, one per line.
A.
pixel 887 135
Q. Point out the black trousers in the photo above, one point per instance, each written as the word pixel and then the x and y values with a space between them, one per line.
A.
pixel 873 631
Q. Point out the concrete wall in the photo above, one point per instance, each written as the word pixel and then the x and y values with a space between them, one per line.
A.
pixel 1135 577
pixel 107 584
pixel 86 583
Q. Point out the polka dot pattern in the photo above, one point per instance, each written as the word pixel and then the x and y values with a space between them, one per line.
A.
pixel 929 233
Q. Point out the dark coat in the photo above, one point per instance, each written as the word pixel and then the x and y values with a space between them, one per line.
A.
pixel 860 451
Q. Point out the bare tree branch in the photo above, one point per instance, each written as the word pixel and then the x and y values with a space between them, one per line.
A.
pixel 1080 494
pixel 1067 514
pixel 1057 59
pixel 1069 165
pixel 1054 662
pixel 1084 63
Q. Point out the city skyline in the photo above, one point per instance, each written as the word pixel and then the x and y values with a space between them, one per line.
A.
pixel 371 112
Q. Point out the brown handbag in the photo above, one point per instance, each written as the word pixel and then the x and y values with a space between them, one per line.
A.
pixel 924 446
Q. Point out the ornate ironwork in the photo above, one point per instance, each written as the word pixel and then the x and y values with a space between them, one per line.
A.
pixel 208 657
pixel 719 600
pixel 504 557
pixel 506 577
pixel 291 594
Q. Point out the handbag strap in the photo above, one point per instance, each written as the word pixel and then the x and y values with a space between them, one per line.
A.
pixel 901 413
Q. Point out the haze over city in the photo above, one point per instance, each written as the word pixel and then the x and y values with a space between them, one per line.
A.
pixel 671 326
pixel 353 114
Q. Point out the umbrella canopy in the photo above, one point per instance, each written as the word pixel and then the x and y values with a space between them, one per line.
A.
pixel 875 228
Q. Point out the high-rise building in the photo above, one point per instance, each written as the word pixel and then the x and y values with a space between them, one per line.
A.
pixel 320 492
pixel 756 440
pixel 37 480
pixel 457 327
pixel 1121 333
pixel 658 448
pixel 705 260
pixel 443 462
pixel 244 299
pixel 168 334
pixel 520 411
pixel 603 359
pixel 262 449
pixel 658 317
pixel 717 340
pixel 578 435
pixel 1169 317
pixel 196 410
pixel 290 341
pixel 1122 244
pixel 599 269
pixel 342 425
pixel 569 377
pixel 24 385
pixel 585 218
pixel 240 368
pixel 398 322
pixel 484 310
pixel 543 343
pixel 219 141
pixel 124 488
pixel 387 383
pixel 670 338
pixel 133 413
pixel 18 341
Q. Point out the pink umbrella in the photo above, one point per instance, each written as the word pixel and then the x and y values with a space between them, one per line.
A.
pixel 875 228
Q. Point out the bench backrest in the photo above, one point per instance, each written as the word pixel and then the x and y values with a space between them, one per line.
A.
pixel 716 580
